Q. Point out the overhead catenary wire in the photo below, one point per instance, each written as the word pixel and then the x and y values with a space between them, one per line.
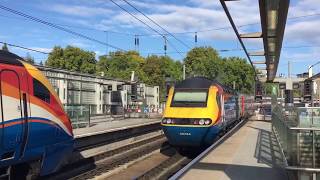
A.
pixel 157 24
pixel 56 26
pixel 25 48
pixel 161 34
pixel 176 33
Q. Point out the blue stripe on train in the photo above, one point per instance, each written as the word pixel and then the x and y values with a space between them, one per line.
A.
pixel 47 141
pixel 190 136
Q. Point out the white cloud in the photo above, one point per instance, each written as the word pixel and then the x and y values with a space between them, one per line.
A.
pixel 181 18
pixel 47 50
pixel 83 11
pixel 307 55
pixel 304 32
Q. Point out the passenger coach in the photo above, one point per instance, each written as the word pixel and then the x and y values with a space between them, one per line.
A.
pixel 35 132
pixel 198 110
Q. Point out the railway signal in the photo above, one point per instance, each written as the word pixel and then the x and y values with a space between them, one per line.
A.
pixel 307 91
pixel 258 91
pixel 134 92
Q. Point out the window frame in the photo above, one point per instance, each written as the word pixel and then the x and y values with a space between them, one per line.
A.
pixel 43 96
pixel 192 104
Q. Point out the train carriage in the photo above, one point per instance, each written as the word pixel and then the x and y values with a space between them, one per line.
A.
pixel 198 110
pixel 35 132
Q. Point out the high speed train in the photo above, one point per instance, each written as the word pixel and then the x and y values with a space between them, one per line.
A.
pixel 199 109
pixel 35 132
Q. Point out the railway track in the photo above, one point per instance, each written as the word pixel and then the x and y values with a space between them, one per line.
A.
pixel 175 165
pixel 105 150
pixel 105 165
pixel 167 168
pixel 103 162
pixel 114 159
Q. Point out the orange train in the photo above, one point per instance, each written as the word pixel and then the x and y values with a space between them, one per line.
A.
pixel 35 132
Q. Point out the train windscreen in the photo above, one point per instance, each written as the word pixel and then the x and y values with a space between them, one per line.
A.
pixel 187 98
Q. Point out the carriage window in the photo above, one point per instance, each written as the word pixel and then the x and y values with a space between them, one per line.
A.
pixel 189 98
pixel 40 91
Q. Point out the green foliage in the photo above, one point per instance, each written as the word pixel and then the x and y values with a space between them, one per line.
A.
pixel 5 47
pixel 157 68
pixel 203 61
pixel 121 64
pixel 268 88
pixel 29 59
pixel 153 70
pixel 72 58
pixel 237 70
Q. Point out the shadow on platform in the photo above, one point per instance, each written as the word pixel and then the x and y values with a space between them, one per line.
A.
pixel 243 172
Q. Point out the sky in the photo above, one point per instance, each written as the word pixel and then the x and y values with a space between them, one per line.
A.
pixel 107 23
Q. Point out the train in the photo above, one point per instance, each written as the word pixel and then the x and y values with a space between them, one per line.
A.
pixel 199 110
pixel 35 132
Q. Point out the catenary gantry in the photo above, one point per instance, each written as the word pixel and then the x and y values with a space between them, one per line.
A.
pixel 273 16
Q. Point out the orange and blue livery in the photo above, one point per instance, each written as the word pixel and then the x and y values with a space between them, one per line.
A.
pixel 35 131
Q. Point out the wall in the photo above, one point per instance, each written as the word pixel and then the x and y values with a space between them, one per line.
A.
pixel 95 91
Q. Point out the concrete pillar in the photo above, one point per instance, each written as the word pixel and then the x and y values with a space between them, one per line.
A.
pixel 98 97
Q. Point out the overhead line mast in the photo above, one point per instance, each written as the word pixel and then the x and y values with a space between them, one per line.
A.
pixel 157 24
pixel 161 34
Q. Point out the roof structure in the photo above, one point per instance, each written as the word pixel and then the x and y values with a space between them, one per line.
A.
pixel 10 58
pixel 273 16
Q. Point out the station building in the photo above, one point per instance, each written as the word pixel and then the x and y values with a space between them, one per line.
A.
pixel 99 92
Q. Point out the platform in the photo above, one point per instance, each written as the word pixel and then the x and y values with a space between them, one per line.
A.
pixel 115 125
pixel 250 153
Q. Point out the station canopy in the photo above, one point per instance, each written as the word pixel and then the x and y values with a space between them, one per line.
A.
pixel 273 16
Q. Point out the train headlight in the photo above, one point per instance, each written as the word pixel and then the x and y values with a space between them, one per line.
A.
pixel 169 121
pixel 207 122
pixel 164 121
pixel 201 122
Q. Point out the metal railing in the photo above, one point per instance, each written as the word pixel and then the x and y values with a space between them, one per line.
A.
pixel 79 115
pixel 298 132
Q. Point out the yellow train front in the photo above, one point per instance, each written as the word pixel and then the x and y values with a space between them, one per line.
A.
pixel 197 111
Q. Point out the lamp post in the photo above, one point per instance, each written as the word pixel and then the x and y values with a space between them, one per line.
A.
pixel 309 76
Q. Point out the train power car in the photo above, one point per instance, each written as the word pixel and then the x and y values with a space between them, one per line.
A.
pixel 198 110
pixel 35 132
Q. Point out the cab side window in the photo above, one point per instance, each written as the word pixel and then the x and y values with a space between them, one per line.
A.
pixel 40 91
pixel 218 98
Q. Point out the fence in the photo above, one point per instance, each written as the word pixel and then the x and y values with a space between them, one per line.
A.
pixel 79 115
pixel 298 133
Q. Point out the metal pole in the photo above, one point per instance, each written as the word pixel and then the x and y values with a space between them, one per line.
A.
pixel 107 40
pixel 289 69
pixel 184 71
pixel 314 175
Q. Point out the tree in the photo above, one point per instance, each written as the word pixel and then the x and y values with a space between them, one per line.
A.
pixel 203 61
pixel 72 58
pixel 121 64
pixel 237 70
pixel 5 47
pixel 29 59
pixel 157 68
